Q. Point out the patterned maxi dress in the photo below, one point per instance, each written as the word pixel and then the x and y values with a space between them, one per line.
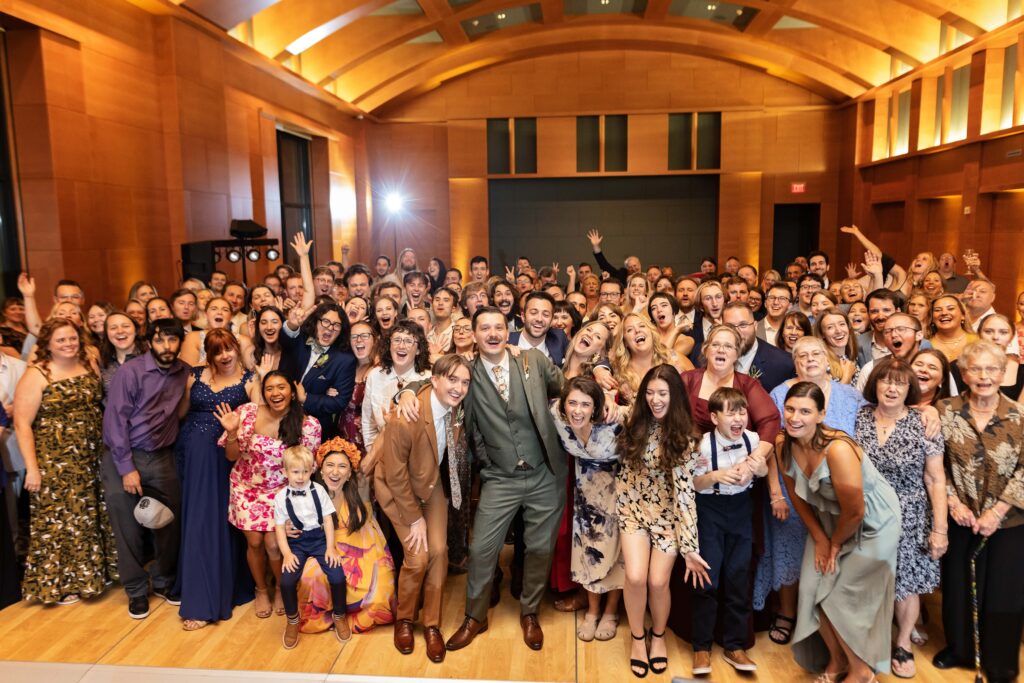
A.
pixel 71 547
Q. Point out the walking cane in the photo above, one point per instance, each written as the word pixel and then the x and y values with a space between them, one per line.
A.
pixel 974 610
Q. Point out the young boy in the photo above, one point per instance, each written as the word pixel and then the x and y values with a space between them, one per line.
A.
pixel 723 477
pixel 306 504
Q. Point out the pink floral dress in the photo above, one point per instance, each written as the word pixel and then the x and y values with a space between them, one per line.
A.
pixel 258 475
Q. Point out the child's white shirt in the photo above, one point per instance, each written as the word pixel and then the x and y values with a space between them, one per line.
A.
pixel 730 453
pixel 302 504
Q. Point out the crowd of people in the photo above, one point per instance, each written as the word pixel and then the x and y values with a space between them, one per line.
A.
pixel 717 452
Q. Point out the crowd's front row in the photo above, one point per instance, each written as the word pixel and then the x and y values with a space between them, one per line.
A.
pixel 248 475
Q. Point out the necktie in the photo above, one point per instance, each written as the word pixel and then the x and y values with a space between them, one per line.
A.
pixel 499 379
pixel 453 465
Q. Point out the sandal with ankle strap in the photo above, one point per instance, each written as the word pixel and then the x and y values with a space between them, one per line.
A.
pixel 779 625
pixel 640 664
pixel 658 660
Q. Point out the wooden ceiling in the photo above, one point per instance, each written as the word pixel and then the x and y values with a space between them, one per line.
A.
pixel 374 52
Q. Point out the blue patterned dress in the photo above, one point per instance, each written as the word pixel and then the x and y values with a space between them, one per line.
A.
pixel 212 551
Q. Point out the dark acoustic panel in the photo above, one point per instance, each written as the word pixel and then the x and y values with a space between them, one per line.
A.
pixel 498 159
pixel 616 132
pixel 588 144
pixel 680 142
pixel 709 140
pixel 526 145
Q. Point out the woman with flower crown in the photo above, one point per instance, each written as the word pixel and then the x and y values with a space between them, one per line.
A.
pixel 369 567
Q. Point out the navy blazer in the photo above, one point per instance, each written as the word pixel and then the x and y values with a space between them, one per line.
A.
pixel 555 341
pixel 697 334
pixel 337 372
pixel 771 365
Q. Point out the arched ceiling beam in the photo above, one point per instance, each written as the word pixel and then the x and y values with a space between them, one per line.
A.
pixel 228 13
pixel 774 59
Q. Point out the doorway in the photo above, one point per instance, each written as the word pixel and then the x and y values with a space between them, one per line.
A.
pixel 795 233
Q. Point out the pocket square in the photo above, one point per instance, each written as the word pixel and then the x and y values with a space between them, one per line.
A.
pixel 324 378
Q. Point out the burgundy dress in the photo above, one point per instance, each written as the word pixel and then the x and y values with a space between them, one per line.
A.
pixel 350 421
pixel 561 561
pixel 763 418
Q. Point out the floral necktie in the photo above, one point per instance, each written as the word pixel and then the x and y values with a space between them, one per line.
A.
pixel 499 379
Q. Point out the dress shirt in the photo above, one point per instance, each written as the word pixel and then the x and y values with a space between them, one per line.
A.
pixel 771 334
pixel 381 387
pixel 440 412
pixel 303 505
pixel 489 366
pixel 744 361
pixel 730 454
pixel 142 408
pixel 441 339
pixel 525 344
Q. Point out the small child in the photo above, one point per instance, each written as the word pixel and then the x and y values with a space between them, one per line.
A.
pixel 307 505
pixel 723 477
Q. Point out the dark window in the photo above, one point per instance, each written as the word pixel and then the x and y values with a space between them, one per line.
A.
pixel 526 145
pixel 588 144
pixel 10 251
pixel 498 160
pixel 680 142
pixel 296 198
pixel 709 140
pixel 615 143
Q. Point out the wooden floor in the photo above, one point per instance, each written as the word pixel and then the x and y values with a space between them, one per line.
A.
pixel 100 632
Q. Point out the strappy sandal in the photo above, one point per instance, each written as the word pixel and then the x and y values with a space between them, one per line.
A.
pixel 900 658
pixel 263 613
pixel 278 609
pixel 194 624
pixel 777 627
pixel 829 678
pixel 587 628
pixel 918 637
pixel 635 664
pixel 658 660
pixel 607 627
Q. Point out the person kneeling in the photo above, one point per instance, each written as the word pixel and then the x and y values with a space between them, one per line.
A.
pixel 417 474
pixel 305 503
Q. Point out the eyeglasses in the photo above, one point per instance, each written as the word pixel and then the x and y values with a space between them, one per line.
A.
pixel 365 336
pixel 902 329
pixel 716 346
pixel 805 287
pixel 988 370
pixel 403 341
pixel 742 326
pixel 778 299
pixel 893 382
pixel 328 325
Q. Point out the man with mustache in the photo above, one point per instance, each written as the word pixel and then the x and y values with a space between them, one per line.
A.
pixel 140 426
pixel 513 435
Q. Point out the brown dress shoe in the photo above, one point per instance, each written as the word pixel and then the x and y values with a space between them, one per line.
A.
pixel 341 629
pixel 404 641
pixel 701 663
pixel 291 635
pixel 435 644
pixel 740 661
pixel 533 636
pixel 467 632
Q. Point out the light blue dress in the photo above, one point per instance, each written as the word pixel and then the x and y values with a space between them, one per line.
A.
pixel 859 596
pixel 784 541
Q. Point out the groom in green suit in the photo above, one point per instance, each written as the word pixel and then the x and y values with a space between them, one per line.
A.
pixel 512 433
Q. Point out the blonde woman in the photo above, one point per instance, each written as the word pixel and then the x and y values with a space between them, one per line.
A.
pixel 637 349
pixel 638 291
pixel 833 328
pixel 949 330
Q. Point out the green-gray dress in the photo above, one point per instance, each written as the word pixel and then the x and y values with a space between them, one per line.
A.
pixel 859 597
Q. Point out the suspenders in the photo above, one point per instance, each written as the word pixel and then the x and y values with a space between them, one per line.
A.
pixel 295 518
pixel 714 453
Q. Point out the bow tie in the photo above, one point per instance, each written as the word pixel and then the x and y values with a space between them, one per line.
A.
pixel 732 447
pixel 293 492
pixel 315 347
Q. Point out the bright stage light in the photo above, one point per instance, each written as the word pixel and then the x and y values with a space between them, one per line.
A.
pixel 394 202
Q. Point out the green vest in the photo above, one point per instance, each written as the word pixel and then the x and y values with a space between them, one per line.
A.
pixel 507 428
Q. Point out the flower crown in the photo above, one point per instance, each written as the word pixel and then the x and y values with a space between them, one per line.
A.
pixel 339 445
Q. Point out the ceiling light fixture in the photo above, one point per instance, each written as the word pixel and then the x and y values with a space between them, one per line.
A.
pixel 273 254
pixel 394 202
pixel 476 22
pixel 501 15
pixel 253 255
pixel 712 7
pixel 234 255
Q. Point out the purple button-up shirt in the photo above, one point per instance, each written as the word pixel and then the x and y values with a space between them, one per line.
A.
pixel 142 408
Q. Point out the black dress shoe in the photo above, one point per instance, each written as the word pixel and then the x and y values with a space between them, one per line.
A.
pixel 138 607
pixel 945 659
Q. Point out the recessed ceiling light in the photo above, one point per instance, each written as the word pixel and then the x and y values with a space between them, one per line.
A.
pixel 501 15
pixel 605 2
pixel 476 22
pixel 712 7
pixel 739 11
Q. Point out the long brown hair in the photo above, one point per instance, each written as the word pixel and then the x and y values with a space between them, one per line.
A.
pixel 823 436
pixel 679 434
pixel 43 354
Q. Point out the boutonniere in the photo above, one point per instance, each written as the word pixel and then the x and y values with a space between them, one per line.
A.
pixel 321 361
pixel 458 417
pixel 755 372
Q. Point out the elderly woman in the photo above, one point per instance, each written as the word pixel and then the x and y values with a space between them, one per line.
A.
pixel 984 433
pixel 785 533
pixel 892 435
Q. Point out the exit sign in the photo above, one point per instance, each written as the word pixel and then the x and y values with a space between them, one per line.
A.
pixel 797 188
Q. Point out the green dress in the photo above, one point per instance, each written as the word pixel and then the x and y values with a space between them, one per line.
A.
pixel 71 549
pixel 859 597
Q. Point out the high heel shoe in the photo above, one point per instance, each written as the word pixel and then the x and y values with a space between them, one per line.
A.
pixel 658 660
pixel 635 664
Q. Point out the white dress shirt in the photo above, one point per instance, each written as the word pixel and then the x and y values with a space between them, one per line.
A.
pixel 303 506
pixel 525 344
pixel 440 412
pixel 489 366
pixel 730 454
pixel 381 387
pixel 744 362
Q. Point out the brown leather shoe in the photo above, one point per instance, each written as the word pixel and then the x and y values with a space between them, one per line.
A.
pixel 701 663
pixel 467 632
pixel 290 638
pixel 404 641
pixel 740 661
pixel 435 644
pixel 341 629
pixel 533 636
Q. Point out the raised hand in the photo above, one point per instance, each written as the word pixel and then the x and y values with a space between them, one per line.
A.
pixel 26 285
pixel 227 417
pixel 971 260
pixel 852 271
pixel 570 271
pixel 510 274
pixel 850 229
pixel 301 245
pixel 265 366
pixel 872 263
pixel 554 268
pixel 595 239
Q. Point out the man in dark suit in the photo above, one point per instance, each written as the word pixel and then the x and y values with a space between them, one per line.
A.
pixel 512 433
pixel 316 353
pixel 537 332
pixel 769 365
pixel 417 475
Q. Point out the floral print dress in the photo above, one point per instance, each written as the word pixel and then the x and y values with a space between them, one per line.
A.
pixel 258 473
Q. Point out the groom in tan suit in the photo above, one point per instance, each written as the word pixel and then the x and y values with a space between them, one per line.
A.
pixel 417 475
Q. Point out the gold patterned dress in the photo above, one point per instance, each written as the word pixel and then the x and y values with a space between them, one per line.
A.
pixel 71 548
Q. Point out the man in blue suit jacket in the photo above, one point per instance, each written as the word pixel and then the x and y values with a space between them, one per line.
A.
pixel 537 332
pixel 318 356
pixel 767 364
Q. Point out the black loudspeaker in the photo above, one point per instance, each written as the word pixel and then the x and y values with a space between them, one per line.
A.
pixel 197 260
pixel 246 229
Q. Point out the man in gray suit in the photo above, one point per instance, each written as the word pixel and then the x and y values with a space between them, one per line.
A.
pixel 512 433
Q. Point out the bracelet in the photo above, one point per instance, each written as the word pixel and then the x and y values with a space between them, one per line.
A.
pixel 995 512
pixel 777 499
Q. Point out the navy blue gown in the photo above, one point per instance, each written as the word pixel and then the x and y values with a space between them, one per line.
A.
pixel 212 551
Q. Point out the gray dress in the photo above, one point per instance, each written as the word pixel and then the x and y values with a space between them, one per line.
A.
pixel 858 598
